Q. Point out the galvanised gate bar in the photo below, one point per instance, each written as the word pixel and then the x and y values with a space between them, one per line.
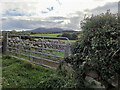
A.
pixel 46 51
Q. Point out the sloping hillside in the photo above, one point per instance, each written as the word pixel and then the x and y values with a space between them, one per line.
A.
pixel 41 29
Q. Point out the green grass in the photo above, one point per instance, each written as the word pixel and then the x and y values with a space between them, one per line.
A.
pixel 22 74
pixel 51 35
pixel 48 35
pixel 17 73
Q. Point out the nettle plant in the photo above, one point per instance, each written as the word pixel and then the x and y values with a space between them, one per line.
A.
pixel 99 46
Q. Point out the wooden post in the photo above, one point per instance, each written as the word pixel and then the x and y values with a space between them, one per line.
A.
pixel 5 37
pixel 42 51
pixel 0 60
pixel 0 42
pixel 19 47
pixel 67 50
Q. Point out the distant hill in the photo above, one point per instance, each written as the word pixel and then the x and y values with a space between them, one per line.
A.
pixel 48 30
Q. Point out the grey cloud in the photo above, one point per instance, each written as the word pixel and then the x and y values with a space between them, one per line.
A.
pixel 57 18
pixel 100 0
pixel 49 22
pixel 75 21
pixel 44 12
pixel 3 19
pixel 119 7
pixel 60 22
pixel 113 6
pixel 11 23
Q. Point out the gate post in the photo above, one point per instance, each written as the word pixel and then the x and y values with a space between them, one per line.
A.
pixel 5 42
pixel 19 47
pixel 0 42
pixel 67 50
pixel 42 50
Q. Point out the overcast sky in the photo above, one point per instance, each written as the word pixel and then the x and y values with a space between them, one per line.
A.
pixel 66 14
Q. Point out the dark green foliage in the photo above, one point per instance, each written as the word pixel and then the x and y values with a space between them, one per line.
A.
pixel 99 46
pixel 71 36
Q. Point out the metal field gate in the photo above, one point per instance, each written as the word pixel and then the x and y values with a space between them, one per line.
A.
pixel 46 51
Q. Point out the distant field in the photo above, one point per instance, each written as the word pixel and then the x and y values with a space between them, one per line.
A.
pixel 48 35
pixel 51 35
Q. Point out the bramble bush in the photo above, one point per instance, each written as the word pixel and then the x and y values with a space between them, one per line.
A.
pixel 99 46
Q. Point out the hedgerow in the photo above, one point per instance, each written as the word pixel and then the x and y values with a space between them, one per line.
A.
pixel 99 47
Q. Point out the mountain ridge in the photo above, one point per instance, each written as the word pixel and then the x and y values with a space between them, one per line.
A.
pixel 42 29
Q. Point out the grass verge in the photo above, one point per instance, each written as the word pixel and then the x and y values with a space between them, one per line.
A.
pixel 22 74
